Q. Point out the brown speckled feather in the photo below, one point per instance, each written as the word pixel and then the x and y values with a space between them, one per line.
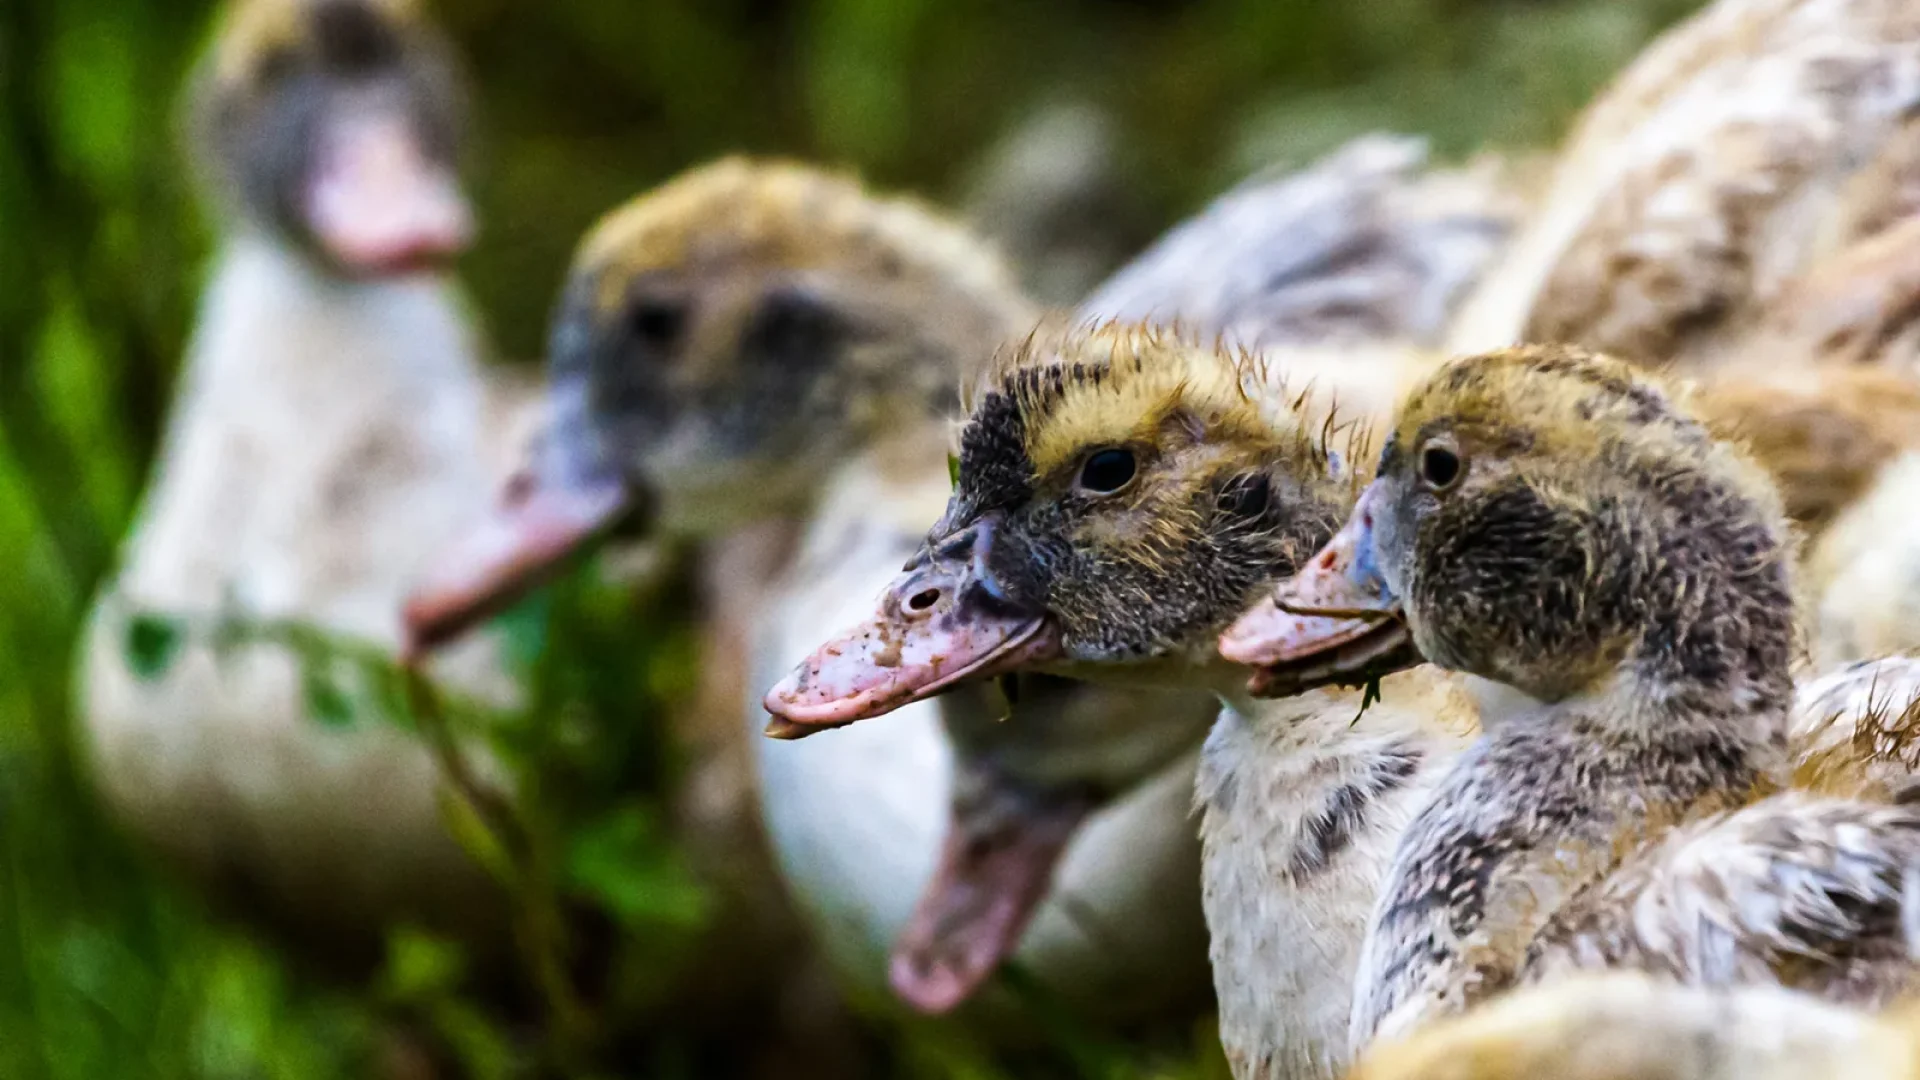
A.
pixel 1718 169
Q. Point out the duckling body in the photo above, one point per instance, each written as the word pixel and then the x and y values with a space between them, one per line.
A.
pixel 333 427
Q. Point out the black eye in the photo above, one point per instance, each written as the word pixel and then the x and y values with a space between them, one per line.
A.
pixel 657 323
pixel 1107 471
pixel 1439 467
pixel 1246 495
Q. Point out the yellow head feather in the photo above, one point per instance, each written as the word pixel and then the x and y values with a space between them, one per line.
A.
pixel 1568 404
pixel 253 29
pixel 781 215
pixel 1114 384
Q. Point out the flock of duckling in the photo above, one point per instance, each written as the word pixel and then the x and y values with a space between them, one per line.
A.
pixel 1567 728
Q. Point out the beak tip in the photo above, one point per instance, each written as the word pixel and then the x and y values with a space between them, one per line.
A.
pixel 783 729
pixel 929 994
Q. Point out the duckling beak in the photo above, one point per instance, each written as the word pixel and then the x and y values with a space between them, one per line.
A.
pixel 945 621
pixel 1333 621
pixel 546 515
pixel 996 865
pixel 377 203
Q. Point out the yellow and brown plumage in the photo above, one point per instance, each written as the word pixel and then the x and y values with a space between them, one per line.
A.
pixel 1716 171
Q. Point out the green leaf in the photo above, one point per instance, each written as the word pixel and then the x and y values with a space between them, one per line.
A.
pixel 152 644
pixel 476 837
pixel 953 472
pixel 523 629
pixel 327 702
pixel 420 966
pixel 627 863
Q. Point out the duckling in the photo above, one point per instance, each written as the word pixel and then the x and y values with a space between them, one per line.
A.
pixel 334 427
pixel 1121 492
pixel 1552 521
pixel 1732 154
pixel 1628 1026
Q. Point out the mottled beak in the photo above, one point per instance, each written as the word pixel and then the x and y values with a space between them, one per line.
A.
pixel 376 203
pixel 944 621
pixel 1335 621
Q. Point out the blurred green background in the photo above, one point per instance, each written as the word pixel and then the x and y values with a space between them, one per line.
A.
pixel 107 969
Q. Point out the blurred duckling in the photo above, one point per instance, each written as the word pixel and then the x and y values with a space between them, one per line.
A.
pixel 1629 1026
pixel 1369 244
pixel 1738 150
pixel 1555 523
pixel 334 428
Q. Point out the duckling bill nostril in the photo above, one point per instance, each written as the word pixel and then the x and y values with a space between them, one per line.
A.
pixel 924 599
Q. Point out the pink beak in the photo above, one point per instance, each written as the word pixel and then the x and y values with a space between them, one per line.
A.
pixel 996 866
pixel 943 622
pixel 377 205
pixel 540 522
pixel 1335 620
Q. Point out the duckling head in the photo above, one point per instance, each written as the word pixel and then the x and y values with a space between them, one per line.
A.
pixel 1548 519
pixel 721 344
pixel 1122 492
pixel 335 125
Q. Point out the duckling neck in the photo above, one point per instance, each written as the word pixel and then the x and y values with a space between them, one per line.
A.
pixel 323 326
pixel 317 417
pixel 1302 802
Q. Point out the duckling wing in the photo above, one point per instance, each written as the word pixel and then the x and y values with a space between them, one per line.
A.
pixel 1718 167
pixel 1856 731
pixel 1814 893
pixel 1364 244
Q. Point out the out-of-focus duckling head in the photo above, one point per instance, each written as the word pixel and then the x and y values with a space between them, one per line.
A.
pixel 1122 492
pixel 1548 519
pixel 721 345
pixel 336 125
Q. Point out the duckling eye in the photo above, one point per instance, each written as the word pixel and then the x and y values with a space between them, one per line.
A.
pixel 657 323
pixel 1440 466
pixel 1107 471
